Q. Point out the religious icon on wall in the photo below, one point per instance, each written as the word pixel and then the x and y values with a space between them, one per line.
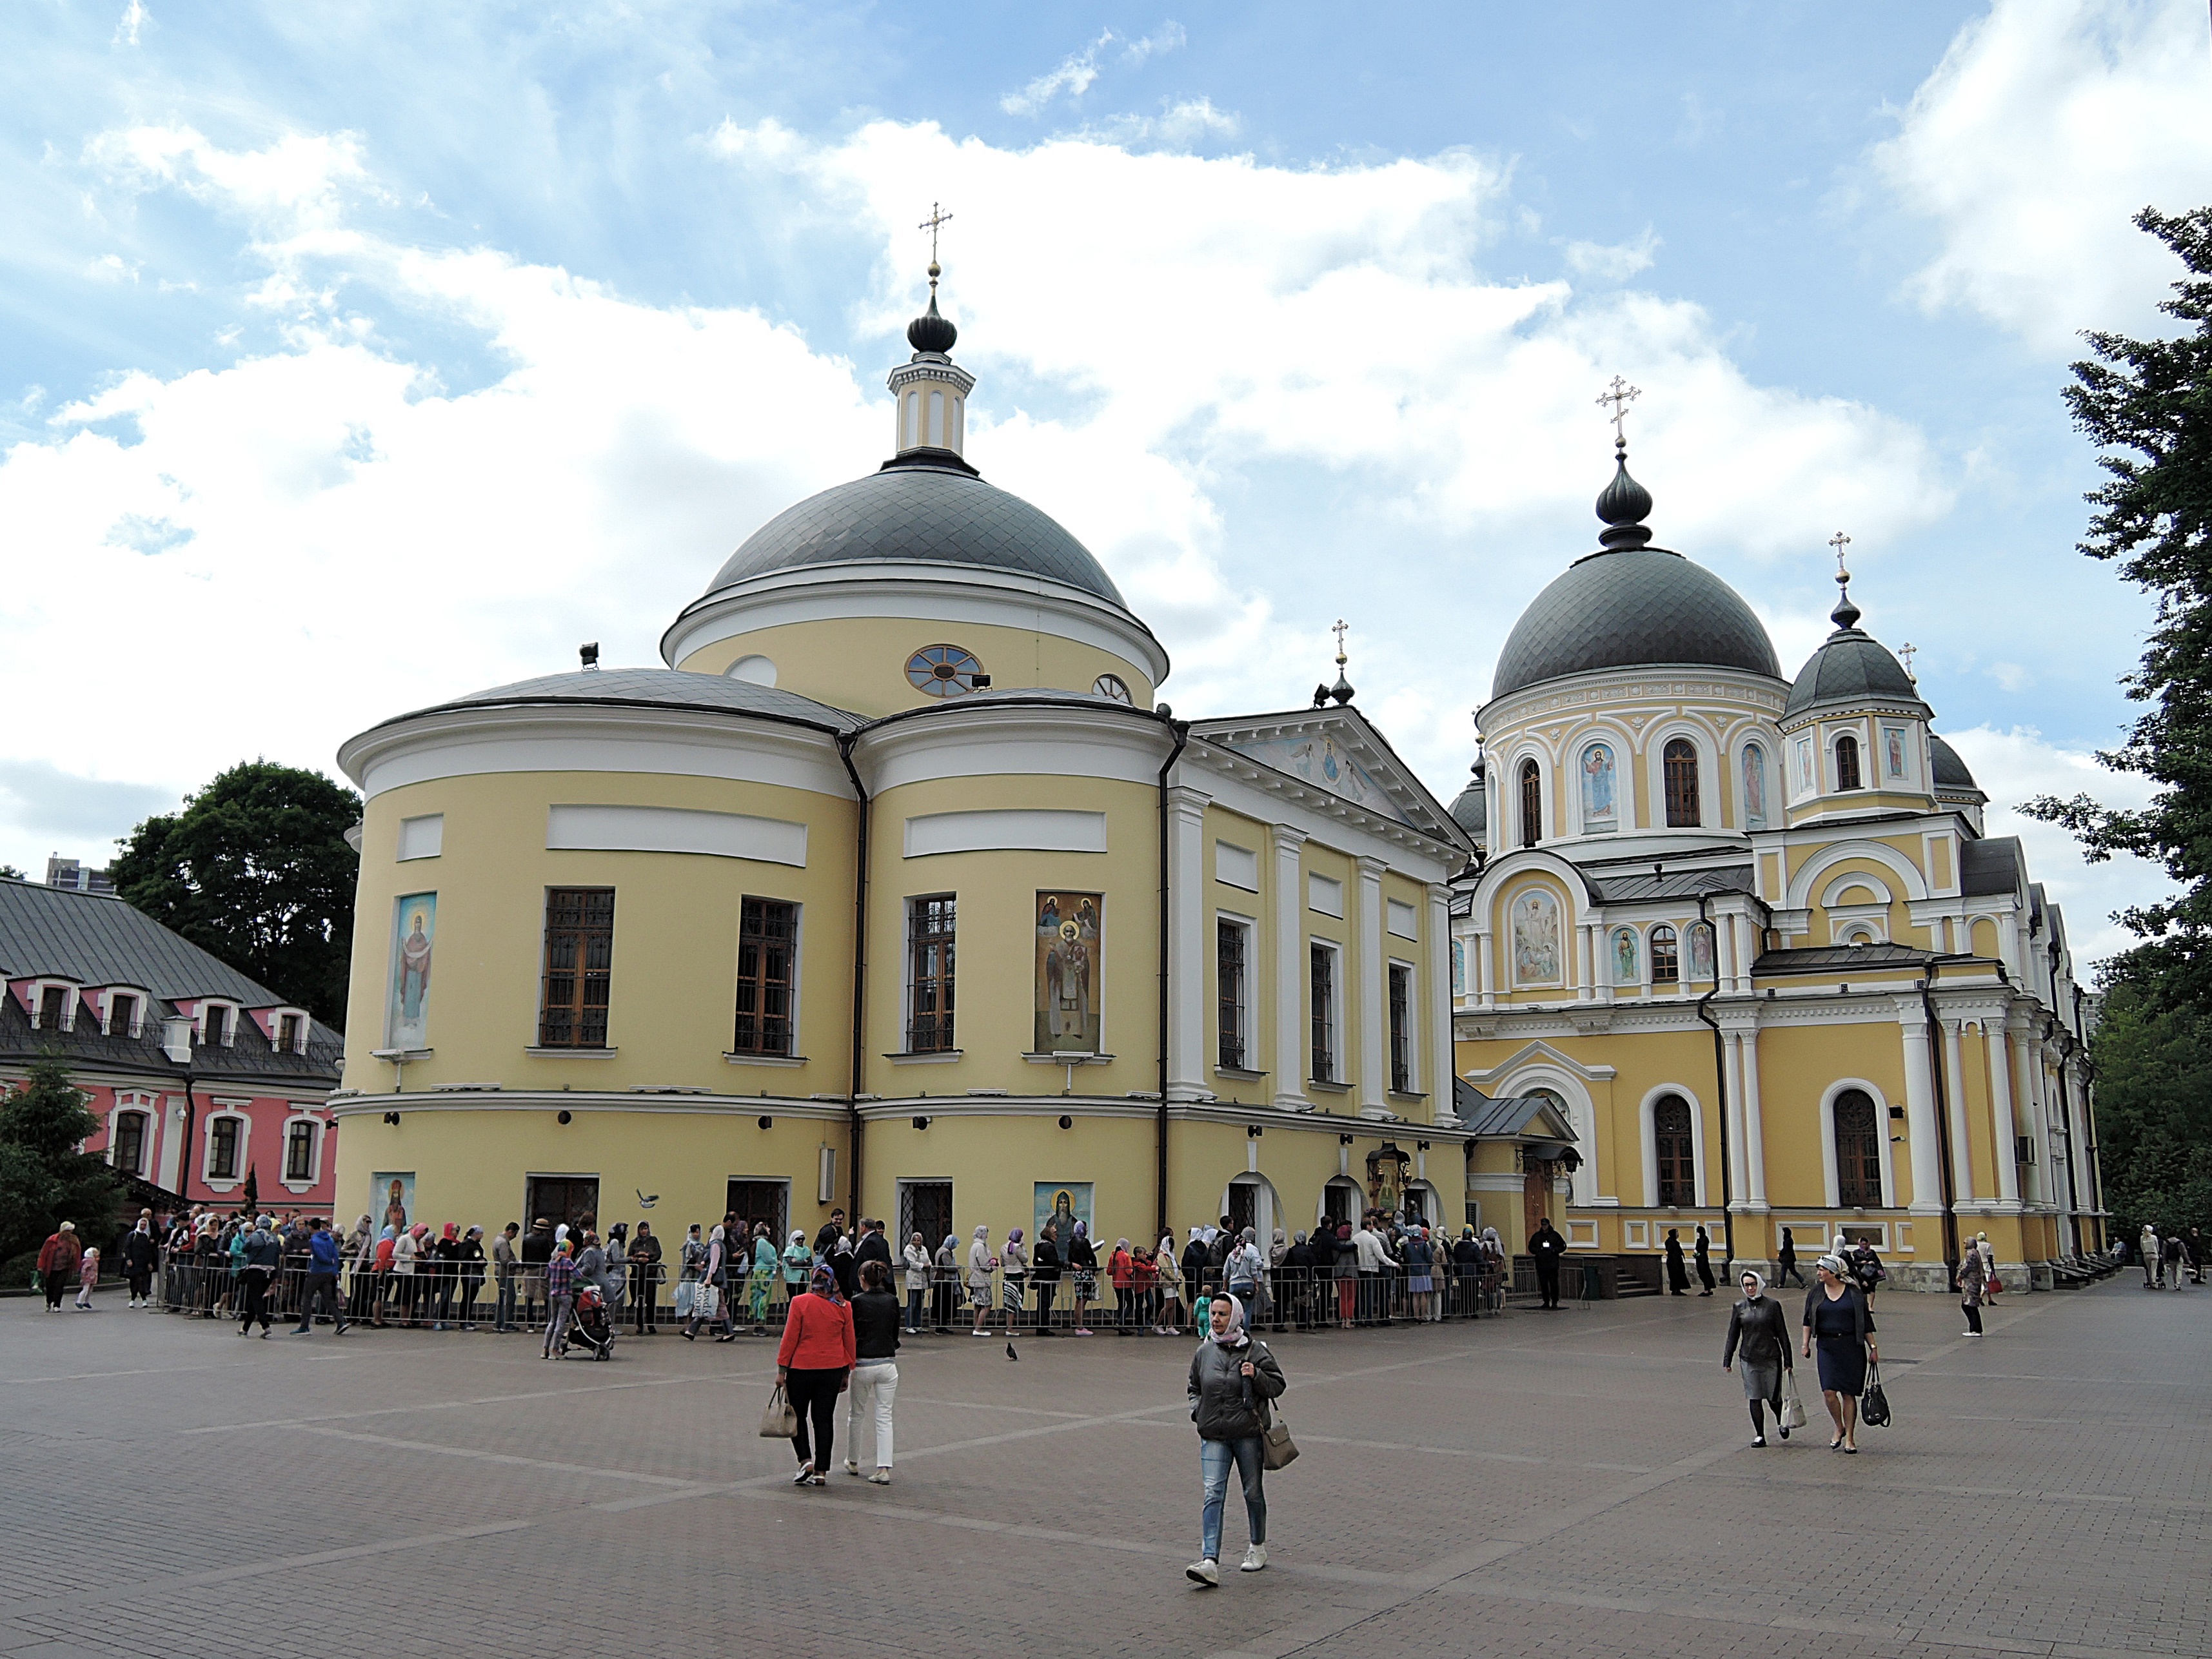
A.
pixel 1386 1177
pixel 407 1012
pixel 1754 786
pixel 1701 951
pixel 1806 783
pixel 1599 812
pixel 1627 964
pixel 391 1199
pixel 1067 973
pixel 1535 938
pixel 1892 745
pixel 1059 1204
pixel 1459 968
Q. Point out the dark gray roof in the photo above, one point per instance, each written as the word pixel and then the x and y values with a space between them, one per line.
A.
pixel 1951 772
pixel 1851 667
pixel 1509 1116
pixel 1991 865
pixel 1832 958
pixel 653 687
pixel 1471 810
pixel 1636 608
pixel 1673 884
pixel 919 512
pixel 98 940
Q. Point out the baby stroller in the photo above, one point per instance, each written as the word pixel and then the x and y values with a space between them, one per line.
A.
pixel 593 1328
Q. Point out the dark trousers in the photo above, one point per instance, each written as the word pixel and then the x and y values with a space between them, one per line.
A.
pixel 814 1395
pixel 1548 1281
pixel 140 1282
pixel 1790 1272
pixel 253 1297
pixel 914 1311
pixel 641 1297
pixel 321 1287
pixel 1373 1299
pixel 1973 1316
pixel 505 1317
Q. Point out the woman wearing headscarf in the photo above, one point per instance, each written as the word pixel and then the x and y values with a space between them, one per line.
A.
pixel 762 1280
pixel 1120 1268
pixel 1278 1250
pixel 846 1265
pixel 1242 1268
pixel 1420 1273
pixel 614 1271
pixel 1082 1273
pixel 814 1362
pixel 406 1253
pixel 1231 1379
pixel 469 1258
pixel 560 1300
pixel 1345 1266
pixel 981 1265
pixel 57 1259
pixel 1836 1318
pixel 1170 1272
pixel 445 1265
pixel 1044 1264
pixel 1014 1279
pixel 1973 1278
pixel 945 1285
pixel 1678 1275
pixel 712 1271
pixel 1758 1334
pixel 1704 1261
pixel 916 1258
pixel 797 1265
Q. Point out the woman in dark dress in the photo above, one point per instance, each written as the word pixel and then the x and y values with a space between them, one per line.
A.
pixel 1785 1262
pixel 1704 1262
pixel 1836 1318
pixel 1678 1276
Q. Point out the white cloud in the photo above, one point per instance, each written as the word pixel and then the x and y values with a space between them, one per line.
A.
pixel 127 26
pixel 1072 76
pixel 1614 261
pixel 2017 765
pixel 1169 37
pixel 1180 125
pixel 2046 126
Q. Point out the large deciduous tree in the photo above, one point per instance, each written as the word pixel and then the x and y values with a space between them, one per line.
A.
pixel 256 869
pixel 43 1180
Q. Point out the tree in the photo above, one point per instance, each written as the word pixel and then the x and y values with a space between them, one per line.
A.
pixel 43 1180
pixel 2147 405
pixel 9 872
pixel 2153 1108
pixel 256 870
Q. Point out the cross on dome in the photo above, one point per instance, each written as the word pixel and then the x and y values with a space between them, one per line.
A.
pixel 1619 394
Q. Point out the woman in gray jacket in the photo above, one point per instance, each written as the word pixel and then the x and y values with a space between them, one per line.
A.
pixel 1231 1379
pixel 1758 1335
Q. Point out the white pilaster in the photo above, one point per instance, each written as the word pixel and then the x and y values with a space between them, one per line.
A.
pixel 1186 975
pixel 1954 1073
pixel 1585 975
pixel 1441 1069
pixel 1486 971
pixel 1732 1081
pixel 1373 1047
pixel 1920 1110
pixel 2004 1122
pixel 1290 965
pixel 1755 1128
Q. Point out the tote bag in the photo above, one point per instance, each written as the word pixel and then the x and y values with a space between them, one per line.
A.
pixel 686 1291
pixel 779 1421
pixel 1874 1404
pixel 1793 1408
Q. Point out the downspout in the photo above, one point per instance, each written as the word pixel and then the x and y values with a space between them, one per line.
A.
pixel 1720 1083
pixel 2089 1112
pixel 1942 1131
pixel 1181 730
pixel 845 740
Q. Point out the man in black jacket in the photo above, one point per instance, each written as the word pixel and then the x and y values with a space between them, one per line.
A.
pixel 644 1277
pixel 874 1246
pixel 832 1231
pixel 537 1251
pixel 1548 1246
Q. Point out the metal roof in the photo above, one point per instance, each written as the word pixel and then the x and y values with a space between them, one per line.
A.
pixel 1852 666
pixel 1831 959
pixel 651 688
pixel 1671 883
pixel 1951 771
pixel 1991 865
pixel 1510 1115
pixel 1633 608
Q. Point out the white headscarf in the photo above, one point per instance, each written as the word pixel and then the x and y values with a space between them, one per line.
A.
pixel 1235 1336
pixel 1757 1278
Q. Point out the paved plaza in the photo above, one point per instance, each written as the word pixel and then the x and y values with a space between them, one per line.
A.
pixel 1576 1483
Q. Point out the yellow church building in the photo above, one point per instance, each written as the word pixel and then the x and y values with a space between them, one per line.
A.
pixel 1746 934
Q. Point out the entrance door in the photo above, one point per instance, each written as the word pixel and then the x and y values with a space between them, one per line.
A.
pixel 1340 1202
pixel 761 1200
pixel 559 1198
pixel 1243 1206
pixel 925 1208
pixel 1535 1200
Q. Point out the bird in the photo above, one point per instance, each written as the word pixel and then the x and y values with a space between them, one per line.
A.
pixel 645 1203
pixel 1010 1354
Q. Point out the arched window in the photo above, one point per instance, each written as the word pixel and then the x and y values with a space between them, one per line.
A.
pixel 1679 764
pixel 1858 1149
pixel 1847 763
pixel 1532 803
pixel 1666 956
pixel 1677 1161
pixel 127 1142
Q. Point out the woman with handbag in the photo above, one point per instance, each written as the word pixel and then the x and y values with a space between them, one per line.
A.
pixel 813 1363
pixel 1231 1380
pixel 1758 1335
pixel 1837 1317
pixel 917 1282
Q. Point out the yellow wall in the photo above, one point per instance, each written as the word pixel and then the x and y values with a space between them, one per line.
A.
pixel 858 663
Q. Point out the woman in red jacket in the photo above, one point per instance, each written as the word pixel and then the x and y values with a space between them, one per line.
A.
pixel 57 1259
pixel 813 1363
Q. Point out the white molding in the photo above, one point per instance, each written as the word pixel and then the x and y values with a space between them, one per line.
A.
pixel 1831 1182
pixel 1040 829
pixel 1832 854
pixel 580 1100
pixel 1650 1148
pixel 588 827
pixel 990 737
pixel 1253 790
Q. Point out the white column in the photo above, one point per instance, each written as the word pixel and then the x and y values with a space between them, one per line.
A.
pixel 2027 1078
pixel 1443 1068
pixel 1585 975
pixel 1186 975
pixel 1374 1048
pixel 2004 1122
pixel 1732 1081
pixel 1955 1074
pixel 1486 972
pixel 1920 1110
pixel 1290 965
pixel 1754 1128
pixel 1724 951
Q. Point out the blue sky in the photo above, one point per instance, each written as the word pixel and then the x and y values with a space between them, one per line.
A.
pixel 355 355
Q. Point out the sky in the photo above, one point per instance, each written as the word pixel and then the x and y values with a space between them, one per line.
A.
pixel 355 355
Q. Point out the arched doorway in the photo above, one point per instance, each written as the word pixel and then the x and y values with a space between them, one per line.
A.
pixel 1251 1201
pixel 1858 1150
pixel 1674 1142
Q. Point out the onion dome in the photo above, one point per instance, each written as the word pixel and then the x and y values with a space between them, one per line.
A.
pixel 932 331
pixel 1471 810
pixel 1851 669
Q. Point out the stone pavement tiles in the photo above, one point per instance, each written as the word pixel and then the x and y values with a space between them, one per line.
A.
pixel 1567 1483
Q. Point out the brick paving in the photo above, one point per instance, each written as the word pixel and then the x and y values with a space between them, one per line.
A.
pixel 1569 1484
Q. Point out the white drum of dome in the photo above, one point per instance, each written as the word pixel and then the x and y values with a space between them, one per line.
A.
pixel 754 671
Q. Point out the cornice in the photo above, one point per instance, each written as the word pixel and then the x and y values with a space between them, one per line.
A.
pixel 580 1100
pixel 1227 763
pixel 1603 689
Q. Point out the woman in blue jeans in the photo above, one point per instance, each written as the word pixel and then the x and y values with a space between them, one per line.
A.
pixel 1231 1379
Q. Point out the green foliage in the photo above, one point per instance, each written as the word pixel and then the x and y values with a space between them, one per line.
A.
pixel 2147 405
pixel 43 1180
pixel 2153 1058
pixel 256 869
pixel 9 872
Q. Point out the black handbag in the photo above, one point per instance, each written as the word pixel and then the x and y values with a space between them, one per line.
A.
pixel 1874 1404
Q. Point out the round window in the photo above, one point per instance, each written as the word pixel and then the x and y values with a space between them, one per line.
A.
pixel 945 670
pixel 1112 685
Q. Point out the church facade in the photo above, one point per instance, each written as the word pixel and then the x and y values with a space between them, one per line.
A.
pixel 1747 934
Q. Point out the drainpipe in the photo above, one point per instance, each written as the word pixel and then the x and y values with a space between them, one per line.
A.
pixel 1942 1131
pixel 845 740
pixel 1182 730
pixel 1720 1083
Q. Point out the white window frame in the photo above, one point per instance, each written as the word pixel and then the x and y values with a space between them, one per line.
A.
pixel 318 1132
pixel 228 1024
pixel 1414 1084
pixel 1249 927
pixel 148 1106
pixel 136 1024
pixel 1832 1183
pixel 221 1109
pixel 906 1052
pixel 1547 781
pixel 1314 942
pixel 38 995
pixel 1650 1139
pixel 1709 783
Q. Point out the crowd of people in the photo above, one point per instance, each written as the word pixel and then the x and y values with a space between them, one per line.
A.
pixel 2170 1256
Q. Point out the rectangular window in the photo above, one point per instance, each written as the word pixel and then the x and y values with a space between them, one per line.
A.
pixel 1402 1035
pixel 768 944
pixel 580 947
pixel 925 1208
pixel 1231 1001
pixel 929 928
pixel 300 1152
pixel 123 1015
pixel 222 1149
pixel 1324 1014
pixel 215 1026
pixel 129 1152
pixel 54 1007
pixel 764 1203
pixel 559 1198
pixel 290 1028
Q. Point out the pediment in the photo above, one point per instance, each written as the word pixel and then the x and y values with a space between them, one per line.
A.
pixel 1336 751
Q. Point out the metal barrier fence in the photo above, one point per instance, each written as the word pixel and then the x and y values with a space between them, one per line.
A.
pixel 436 1295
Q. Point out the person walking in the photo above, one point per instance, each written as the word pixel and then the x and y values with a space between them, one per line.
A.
pixel 1760 1336
pixel 264 1254
pixel 506 1270
pixel 1548 1246
pixel 2153 1253
pixel 88 1275
pixel 560 1300
pixel 2195 1256
pixel 644 1280
pixel 141 1255
pixel 1231 1379
pixel 814 1363
pixel 875 1371
pixel 1785 1263
pixel 1973 1278
pixel 916 1257
pixel 1083 1274
pixel 1678 1275
pixel 981 1265
pixel 57 1261
pixel 1837 1317
pixel 1013 1279
pixel 1867 1271
pixel 706 1293
pixel 1704 1252
pixel 323 1263
pixel 2174 1254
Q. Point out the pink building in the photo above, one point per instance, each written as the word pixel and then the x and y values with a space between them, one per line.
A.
pixel 199 1077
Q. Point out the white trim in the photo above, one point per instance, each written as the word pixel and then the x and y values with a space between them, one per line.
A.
pixel 1582 1114
pixel 1527 751
pixel 226 1027
pixel 1324 895
pixel 1268 1211
pixel 136 1024
pixel 318 1132
pixel 1800 882
pixel 1248 926
pixel 421 837
pixel 975 738
pixel 588 827
pixel 1236 866
pixel 1649 1135
pixel 1338 1057
pixel 1832 1183
pixel 145 1105
pixel 35 993
pixel 1038 830
pixel 216 1111
pixel 1700 739
pixel 1414 1070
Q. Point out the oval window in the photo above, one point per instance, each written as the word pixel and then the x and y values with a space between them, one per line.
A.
pixel 945 670
pixel 1112 685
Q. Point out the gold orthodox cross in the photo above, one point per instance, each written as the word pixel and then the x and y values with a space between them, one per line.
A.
pixel 938 216
pixel 1907 651
pixel 1619 394
pixel 1839 542
pixel 1339 630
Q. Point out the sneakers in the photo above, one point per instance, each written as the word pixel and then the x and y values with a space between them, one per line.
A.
pixel 1255 1559
pixel 804 1477
pixel 1205 1573
pixel 851 1467
pixel 1759 1440
pixel 880 1478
